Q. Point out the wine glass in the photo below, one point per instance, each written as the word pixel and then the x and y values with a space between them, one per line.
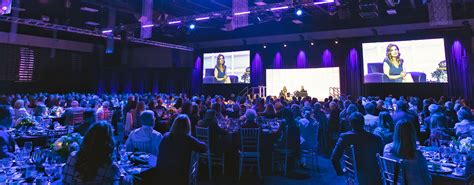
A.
pixel 28 146
pixel 123 153
pixel 49 170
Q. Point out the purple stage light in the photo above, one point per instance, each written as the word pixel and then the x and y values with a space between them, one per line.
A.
pixel 107 31
pixel 174 22
pixel 4 8
pixel 242 13
pixel 147 25
pixel 323 2
pixel 279 8
pixel 202 18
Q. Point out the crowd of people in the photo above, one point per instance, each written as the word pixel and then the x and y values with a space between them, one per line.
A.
pixel 389 126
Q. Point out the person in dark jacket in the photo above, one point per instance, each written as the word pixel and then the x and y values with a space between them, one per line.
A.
pixel 175 152
pixel 366 146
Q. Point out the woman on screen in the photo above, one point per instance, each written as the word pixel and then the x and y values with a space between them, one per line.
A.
pixel 220 70
pixel 393 65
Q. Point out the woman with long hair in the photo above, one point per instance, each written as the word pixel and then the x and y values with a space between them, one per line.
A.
pixel 93 163
pixel 385 127
pixel 220 70
pixel 269 112
pixel 404 147
pixel 175 152
pixel 393 65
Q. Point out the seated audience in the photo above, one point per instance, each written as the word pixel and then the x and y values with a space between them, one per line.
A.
pixel 103 113
pixel 269 112
pixel 465 126
pixel 175 152
pixel 366 146
pixel 89 119
pixel 292 137
pixel 404 147
pixel 7 142
pixel 309 130
pixel 145 134
pixel 250 119
pixel 93 163
pixel 370 118
pixel 385 128
pixel 402 114
pixel 19 109
pixel 215 132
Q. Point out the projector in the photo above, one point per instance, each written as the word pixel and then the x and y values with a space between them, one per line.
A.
pixel 368 10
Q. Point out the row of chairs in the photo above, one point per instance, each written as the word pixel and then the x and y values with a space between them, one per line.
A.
pixel 391 169
pixel 249 153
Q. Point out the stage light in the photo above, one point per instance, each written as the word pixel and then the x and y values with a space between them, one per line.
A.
pixel 148 26
pixel 264 46
pixel 284 45
pixel 4 8
pixel 299 12
pixel 279 8
pixel 312 43
pixel 202 18
pixel 242 13
pixel 174 22
pixel 336 42
pixel 107 31
pixel 192 26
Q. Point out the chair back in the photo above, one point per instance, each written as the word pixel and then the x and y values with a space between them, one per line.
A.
pixel 350 166
pixel 250 139
pixel 77 118
pixel 143 146
pixel 193 168
pixel 202 134
pixel 392 170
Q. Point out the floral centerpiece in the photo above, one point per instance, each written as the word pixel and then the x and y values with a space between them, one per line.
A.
pixel 25 122
pixel 67 144
pixel 466 145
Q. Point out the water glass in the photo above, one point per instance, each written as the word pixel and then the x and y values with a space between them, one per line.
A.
pixel 49 170
pixel 28 146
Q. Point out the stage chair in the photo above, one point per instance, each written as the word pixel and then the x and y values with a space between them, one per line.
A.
pixel 281 153
pixel 212 159
pixel 249 149
pixel 392 170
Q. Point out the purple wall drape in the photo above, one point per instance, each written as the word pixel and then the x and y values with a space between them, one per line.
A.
pixel 459 79
pixel 277 61
pixel 327 59
pixel 197 76
pixel 257 72
pixel 353 75
pixel 301 59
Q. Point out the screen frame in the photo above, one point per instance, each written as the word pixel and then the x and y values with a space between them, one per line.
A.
pixel 229 51
pixel 401 38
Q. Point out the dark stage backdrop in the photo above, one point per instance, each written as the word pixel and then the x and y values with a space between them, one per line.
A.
pixel 347 55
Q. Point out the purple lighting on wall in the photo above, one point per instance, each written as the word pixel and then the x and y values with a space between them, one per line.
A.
pixel 256 70
pixel 323 2
pixel 201 18
pixel 277 61
pixel 301 60
pixel 196 75
pixel 459 79
pixel 327 59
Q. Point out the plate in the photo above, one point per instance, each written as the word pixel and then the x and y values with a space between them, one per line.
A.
pixel 442 169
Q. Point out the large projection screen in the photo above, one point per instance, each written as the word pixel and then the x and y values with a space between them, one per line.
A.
pixel 316 81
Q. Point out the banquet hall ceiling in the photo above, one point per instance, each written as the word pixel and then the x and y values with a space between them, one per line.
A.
pixel 315 18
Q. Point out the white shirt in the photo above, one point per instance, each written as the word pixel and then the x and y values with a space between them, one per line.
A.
pixel 145 134
pixel 371 120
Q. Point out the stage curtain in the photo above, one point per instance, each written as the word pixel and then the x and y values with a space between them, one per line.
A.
pixel 459 79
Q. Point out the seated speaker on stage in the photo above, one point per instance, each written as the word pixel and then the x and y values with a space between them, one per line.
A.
pixel 303 92
pixel 284 92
